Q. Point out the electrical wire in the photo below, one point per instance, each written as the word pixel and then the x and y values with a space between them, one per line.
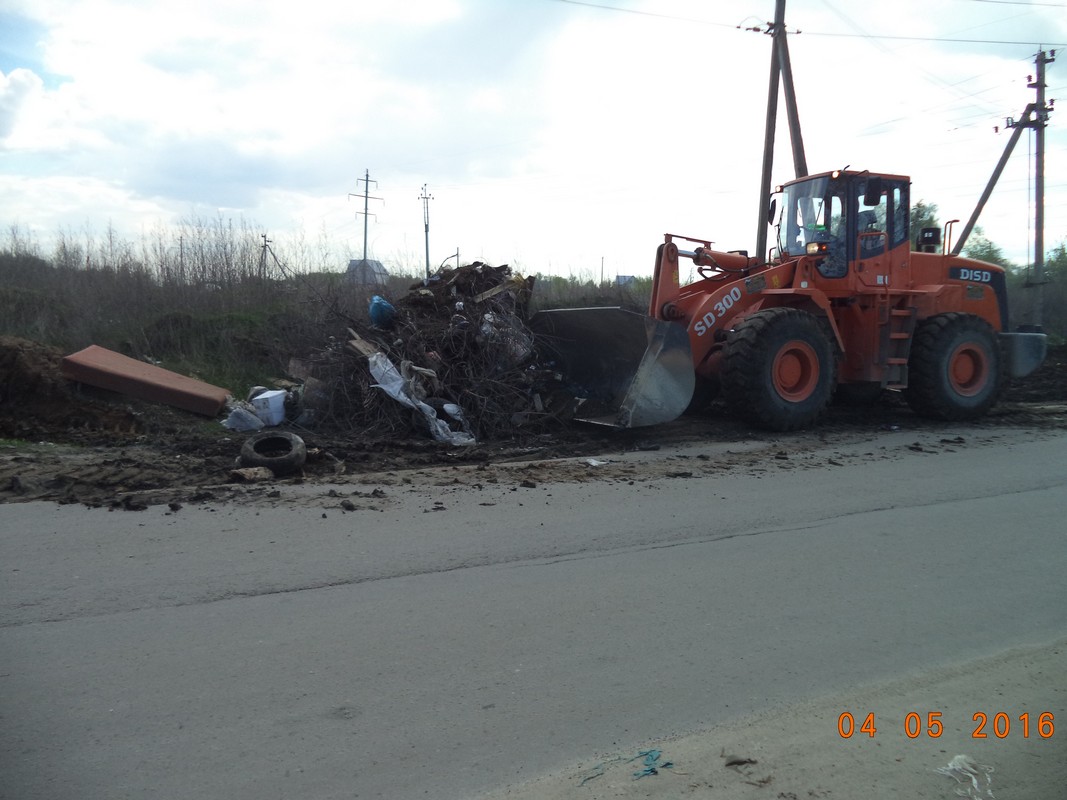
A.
pixel 1020 3
pixel 646 13
pixel 887 37
pixel 937 39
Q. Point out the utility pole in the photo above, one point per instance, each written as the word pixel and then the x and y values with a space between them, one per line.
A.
pixel 1035 116
pixel 366 198
pixel 426 198
pixel 781 68
pixel 263 255
pixel 1040 121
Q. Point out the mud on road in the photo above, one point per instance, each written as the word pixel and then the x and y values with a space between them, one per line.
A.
pixel 68 445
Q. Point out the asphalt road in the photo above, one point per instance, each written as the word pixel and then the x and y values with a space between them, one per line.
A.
pixel 241 652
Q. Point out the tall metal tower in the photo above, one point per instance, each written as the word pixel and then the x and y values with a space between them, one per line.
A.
pixel 366 198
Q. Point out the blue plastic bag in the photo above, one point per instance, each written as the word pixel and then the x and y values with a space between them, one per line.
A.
pixel 382 313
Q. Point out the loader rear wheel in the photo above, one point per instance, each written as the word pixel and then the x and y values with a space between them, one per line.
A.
pixel 779 369
pixel 954 372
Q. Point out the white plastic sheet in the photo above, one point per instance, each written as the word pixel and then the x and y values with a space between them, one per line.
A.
pixel 974 779
pixel 393 384
pixel 241 419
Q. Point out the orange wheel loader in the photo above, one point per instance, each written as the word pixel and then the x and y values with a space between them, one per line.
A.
pixel 843 304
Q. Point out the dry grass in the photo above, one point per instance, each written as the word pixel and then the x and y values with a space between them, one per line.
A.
pixel 212 300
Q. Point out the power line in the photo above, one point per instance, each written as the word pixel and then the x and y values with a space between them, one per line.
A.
pixel 888 37
pixel 1020 3
pixel 646 13
pixel 934 39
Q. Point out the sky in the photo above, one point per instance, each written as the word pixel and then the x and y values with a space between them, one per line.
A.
pixel 557 136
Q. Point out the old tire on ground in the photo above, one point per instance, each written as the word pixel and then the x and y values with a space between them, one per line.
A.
pixel 279 451
pixel 954 372
pixel 779 369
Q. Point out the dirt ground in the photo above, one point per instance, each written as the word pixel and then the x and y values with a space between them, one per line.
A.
pixel 796 752
pixel 71 444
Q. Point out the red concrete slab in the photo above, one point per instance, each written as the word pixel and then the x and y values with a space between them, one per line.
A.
pixel 106 369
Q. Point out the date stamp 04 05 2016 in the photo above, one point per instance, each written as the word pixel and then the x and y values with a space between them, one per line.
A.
pixel 1000 725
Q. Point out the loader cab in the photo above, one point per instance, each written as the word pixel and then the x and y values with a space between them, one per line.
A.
pixel 850 221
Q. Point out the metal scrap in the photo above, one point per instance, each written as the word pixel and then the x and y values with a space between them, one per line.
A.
pixel 457 363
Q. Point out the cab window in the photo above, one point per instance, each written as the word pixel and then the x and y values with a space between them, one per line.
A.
pixel 872 211
pixel 898 196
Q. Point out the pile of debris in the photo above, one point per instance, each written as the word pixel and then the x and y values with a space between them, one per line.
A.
pixel 453 358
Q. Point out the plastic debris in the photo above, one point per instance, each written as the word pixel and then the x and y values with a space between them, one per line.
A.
pixel 382 312
pixel 269 406
pixel 510 334
pixel 970 775
pixel 652 763
pixel 241 419
pixel 394 384
pixel 450 348
pixel 455 413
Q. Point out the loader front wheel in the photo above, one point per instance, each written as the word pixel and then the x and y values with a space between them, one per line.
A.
pixel 778 369
pixel 954 372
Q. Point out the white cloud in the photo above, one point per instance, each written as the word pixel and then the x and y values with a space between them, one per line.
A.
pixel 14 91
pixel 549 133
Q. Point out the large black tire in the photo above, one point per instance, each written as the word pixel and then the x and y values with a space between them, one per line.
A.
pixel 955 368
pixel 778 369
pixel 279 451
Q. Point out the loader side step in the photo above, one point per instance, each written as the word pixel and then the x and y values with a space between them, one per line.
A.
pixel 897 328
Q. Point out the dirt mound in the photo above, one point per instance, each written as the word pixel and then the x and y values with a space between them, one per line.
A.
pixel 104 449
pixel 29 373
pixel 37 402
pixel 1048 384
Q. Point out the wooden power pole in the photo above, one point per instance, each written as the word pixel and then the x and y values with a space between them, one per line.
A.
pixel 1035 117
pixel 781 68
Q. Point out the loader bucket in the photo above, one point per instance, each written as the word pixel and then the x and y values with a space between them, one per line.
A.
pixel 630 370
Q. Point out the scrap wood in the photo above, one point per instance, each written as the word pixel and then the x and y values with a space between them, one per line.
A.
pixel 461 344
pixel 359 345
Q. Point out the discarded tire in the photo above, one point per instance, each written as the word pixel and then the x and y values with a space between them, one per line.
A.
pixel 279 451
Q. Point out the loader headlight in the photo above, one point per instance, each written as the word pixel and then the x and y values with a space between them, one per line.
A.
pixel 816 248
